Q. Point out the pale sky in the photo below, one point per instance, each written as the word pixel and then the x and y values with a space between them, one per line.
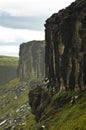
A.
pixel 23 20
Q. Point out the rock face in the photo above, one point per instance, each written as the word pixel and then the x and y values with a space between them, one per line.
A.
pixel 31 60
pixel 65 50
pixel 39 98
pixel 65 57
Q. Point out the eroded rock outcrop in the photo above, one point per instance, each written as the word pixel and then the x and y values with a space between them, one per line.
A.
pixel 65 53
pixel 31 61
pixel 39 98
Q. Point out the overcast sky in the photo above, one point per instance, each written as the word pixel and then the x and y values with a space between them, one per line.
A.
pixel 23 20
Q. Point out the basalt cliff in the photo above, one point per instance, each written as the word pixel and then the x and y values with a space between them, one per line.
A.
pixel 65 52
pixel 32 60
pixel 65 58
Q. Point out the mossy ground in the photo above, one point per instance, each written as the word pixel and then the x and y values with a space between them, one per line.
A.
pixel 68 117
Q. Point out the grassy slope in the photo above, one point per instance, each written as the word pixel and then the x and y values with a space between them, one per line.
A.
pixel 68 117
pixel 8 60
pixel 9 105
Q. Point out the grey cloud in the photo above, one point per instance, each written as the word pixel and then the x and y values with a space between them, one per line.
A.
pixel 22 22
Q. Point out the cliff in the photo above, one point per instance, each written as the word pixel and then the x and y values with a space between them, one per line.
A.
pixel 8 68
pixel 31 60
pixel 65 59
pixel 65 51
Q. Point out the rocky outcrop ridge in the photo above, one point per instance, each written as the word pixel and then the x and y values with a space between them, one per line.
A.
pixel 65 53
pixel 31 60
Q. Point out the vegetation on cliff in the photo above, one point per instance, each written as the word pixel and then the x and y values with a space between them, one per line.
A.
pixel 66 115
pixel 65 111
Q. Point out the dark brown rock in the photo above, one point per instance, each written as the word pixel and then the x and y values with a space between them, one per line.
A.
pixel 65 51
pixel 39 98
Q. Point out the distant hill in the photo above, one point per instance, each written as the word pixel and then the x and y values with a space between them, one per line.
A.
pixel 8 61
pixel 8 68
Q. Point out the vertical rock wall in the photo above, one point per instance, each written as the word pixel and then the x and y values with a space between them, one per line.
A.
pixel 31 60
pixel 65 50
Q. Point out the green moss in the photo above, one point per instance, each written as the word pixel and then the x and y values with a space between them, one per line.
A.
pixel 29 124
pixel 67 117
